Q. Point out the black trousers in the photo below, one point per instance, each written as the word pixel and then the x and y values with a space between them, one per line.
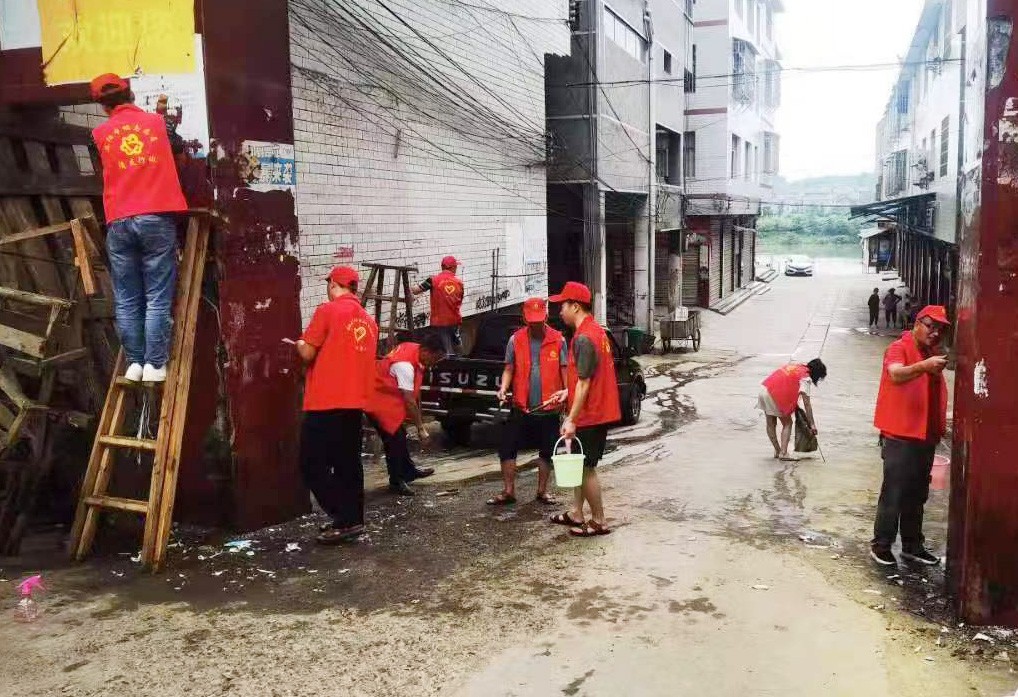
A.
pixel 330 461
pixel 891 317
pixel 907 467
pixel 398 462
pixel 874 317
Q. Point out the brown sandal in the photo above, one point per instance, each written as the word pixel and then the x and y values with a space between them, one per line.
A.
pixel 565 519
pixel 546 498
pixel 590 529
pixel 335 536
pixel 502 499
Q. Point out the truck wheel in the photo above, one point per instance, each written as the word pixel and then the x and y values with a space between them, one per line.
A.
pixel 457 432
pixel 632 405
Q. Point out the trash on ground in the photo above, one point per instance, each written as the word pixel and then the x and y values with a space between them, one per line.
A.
pixel 238 545
pixel 448 492
pixel 873 592
pixel 218 573
pixel 982 637
pixel 1002 656
pixel 292 547
pixel 761 587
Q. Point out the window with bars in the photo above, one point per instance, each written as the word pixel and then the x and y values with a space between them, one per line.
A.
pixel 736 154
pixel 689 76
pixel 944 144
pixel 689 155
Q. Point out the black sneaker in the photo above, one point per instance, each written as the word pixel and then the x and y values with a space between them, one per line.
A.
pixel 883 557
pixel 920 556
pixel 400 489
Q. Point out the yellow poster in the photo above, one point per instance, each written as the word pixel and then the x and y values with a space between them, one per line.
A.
pixel 85 38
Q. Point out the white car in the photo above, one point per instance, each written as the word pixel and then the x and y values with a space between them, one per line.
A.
pixel 798 265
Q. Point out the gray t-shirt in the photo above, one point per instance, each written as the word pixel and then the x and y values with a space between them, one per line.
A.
pixel 534 398
pixel 586 357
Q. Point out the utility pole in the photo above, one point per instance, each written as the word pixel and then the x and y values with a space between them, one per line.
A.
pixel 648 23
pixel 983 524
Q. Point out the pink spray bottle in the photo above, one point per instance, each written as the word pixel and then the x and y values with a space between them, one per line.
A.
pixel 28 608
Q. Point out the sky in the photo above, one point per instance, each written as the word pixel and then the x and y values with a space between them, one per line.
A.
pixel 827 120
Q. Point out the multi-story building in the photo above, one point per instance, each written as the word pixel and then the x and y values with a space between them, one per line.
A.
pixel 615 108
pixel 919 154
pixel 419 131
pixel 733 141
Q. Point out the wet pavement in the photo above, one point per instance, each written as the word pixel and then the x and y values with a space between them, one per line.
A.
pixel 728 573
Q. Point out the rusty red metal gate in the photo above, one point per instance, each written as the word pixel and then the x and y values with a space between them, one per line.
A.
pixel 984 498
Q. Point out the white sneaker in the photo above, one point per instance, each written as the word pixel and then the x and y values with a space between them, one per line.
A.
pixel 153 374
pixel 134 372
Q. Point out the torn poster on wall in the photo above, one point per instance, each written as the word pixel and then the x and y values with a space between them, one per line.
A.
pixel 268 166
pixel 186 101
pixel 85 38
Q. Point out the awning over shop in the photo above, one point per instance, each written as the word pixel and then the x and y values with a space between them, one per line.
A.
pixel 913 213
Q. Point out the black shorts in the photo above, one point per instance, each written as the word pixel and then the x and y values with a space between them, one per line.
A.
pixel 593 439
pixel 528 430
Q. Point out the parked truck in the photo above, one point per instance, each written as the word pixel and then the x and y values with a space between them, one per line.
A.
pixel 463 391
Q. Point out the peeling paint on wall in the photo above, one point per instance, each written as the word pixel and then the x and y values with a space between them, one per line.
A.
pixel 998 32
pixel 980 384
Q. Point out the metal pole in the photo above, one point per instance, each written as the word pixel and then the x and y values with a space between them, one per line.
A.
pixel 651 166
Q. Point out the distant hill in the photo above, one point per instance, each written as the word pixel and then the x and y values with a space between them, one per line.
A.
pixel 832 190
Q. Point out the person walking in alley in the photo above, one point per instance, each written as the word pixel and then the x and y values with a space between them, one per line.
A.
pixel 535 370
pixel 779 398
pixel 891 309
pixel 446 292
pixel 911 415
pixel 593 405
pixel 398 379
pixel 874 305
pixel 339 347
pixel 142 199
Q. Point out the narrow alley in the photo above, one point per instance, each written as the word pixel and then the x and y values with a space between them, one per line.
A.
pixel 728 572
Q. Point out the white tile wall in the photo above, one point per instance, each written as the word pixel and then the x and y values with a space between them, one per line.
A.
pixel 394 168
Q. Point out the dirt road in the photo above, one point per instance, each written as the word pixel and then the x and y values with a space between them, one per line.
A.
pixel 728 573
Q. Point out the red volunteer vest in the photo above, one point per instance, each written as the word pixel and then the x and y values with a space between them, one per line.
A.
pixel 446 299
pixel 602 405
pixel 783 386
pixel 551 372
pixel 139 172
pixel 903 411
pixel 387 406
pixel 342 376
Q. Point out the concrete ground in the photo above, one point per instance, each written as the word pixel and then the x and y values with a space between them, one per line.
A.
pixel 728 573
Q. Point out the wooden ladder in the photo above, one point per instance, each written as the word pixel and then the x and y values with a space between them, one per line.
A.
pixel 374 290
pixel 158 509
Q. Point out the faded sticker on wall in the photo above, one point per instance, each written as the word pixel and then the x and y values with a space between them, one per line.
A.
pixel 186 101
pixel 268 166
pixel 85 38
pixel 980 383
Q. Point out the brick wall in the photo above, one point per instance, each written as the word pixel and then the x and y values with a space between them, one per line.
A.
pixel 431 146
pixel 87 116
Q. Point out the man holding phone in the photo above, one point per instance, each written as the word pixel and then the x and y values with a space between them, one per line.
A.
pixel 911 414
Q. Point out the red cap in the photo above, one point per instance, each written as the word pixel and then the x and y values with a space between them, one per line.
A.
pixel 345 276
pixel 449 262
pixel 535 310
pixel 108 83
pixel 935 312
pixel 577 292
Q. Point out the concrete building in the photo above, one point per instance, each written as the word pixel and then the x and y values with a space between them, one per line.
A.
pixel 615 109
pixel 919 154
pixel 733 140
pixel 419 132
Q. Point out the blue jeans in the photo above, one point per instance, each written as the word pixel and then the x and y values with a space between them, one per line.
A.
pixel 143 267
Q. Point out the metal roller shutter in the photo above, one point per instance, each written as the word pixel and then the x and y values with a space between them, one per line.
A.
pixel 691 276
pixel 727 277
pixel 715 260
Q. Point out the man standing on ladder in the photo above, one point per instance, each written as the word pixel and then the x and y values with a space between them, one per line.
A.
pixel 396 399
pixel 141 197
pixel 446 300
pixel 535 370
pixel 339 347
